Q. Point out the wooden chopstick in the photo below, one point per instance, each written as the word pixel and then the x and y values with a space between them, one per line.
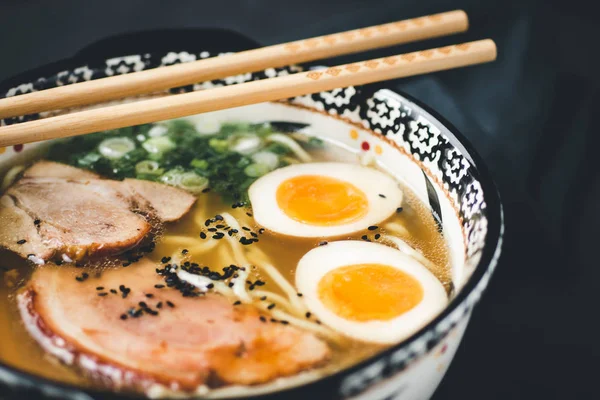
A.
pixel 158 79
pixel 182 105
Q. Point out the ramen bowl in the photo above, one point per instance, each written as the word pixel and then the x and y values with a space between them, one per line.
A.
pixel 394 131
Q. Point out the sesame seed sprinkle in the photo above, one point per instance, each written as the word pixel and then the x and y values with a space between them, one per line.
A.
pixel 22 241
pixel 271 306
pixel 100 288
pixel 399 209
pixel 202 235
pixel 263 319
pixel 373 227
pixel 237 303
pixel 382 196
pixel 102 294
pixel 159 286
pixel 170 304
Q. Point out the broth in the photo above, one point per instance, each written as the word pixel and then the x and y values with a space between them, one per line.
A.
pixel 414 224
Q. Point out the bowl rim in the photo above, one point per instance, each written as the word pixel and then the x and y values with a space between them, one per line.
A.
pixel 490 252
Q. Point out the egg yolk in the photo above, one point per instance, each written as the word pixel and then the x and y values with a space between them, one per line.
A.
pixel 321 200
pixel 367 292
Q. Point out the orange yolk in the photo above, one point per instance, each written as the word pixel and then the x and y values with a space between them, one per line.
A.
pixel 366 292
pixel 321 200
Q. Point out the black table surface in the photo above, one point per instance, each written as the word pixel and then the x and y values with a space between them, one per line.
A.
pixel 529 115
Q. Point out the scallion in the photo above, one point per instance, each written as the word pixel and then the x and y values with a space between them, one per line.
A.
pixel 115 148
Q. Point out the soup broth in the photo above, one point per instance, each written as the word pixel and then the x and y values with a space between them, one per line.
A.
pixel 191 240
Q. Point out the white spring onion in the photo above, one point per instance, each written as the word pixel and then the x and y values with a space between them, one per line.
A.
pixel 189 181
pixel 159 145
pixel 271 160
pixel 158 130
pixel 207 126
pixel 245 144
pixel 115 148
pixel 291 144
pixel 149 168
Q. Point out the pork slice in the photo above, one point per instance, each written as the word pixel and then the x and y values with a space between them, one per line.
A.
pixel 19 233
pixel 195 341
pixel 85 218
pixel 169 203
pixel 51 169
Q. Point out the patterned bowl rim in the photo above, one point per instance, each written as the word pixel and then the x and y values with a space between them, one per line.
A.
pixel 432 333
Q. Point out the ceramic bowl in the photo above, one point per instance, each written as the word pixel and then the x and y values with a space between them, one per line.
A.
pixel 402 135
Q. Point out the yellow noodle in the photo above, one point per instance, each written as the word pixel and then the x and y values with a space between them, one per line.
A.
pixel 398 229
pixel 410 251
pixel 277 299
pixel 181 241
pixel 203 248
pixel 10 177
pixel 290 144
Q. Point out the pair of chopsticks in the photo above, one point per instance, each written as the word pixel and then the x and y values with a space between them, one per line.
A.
pixel 181 105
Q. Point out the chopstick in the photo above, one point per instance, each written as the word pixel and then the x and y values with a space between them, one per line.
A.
pixel 177 75
pixel 283 87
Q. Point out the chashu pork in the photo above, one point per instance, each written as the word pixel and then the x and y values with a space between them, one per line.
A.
pixel 192 341
pixel 56 210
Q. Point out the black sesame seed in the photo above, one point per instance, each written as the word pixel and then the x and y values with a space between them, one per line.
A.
pixel 299 294
pixel 149 295
pixel 37 222
pixel 212 229
pixel 22 241
pixel 377 236
pixel 263 319
pixel 165 260
pixel 113 291
pixel 274 320
pixel 170 304
pixel 218 217
pixel 248 214
pixel 237 303
pixel 184 251
pixel 143 304
pixel 318 322
pixel 323 243
pixel 202 235
pixel 271 306
pixel 230 284
pixel 382 196
pixel 220 226
pixel 208 222
pixel 159 286
pixel 364 237
pixel 159 304
pixel 234 231
pixel 372 227
pixel 399 209
pixel 102 294
pixel 123 317
pixel 261 230
pixel 284 322
pixel 308 314
pixel 138 313
pixel 210 286
pixel 245 228
pixel 263 298
pixel 253 234
pixel 100 288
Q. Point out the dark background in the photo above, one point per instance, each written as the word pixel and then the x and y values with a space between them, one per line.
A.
pixel 530 115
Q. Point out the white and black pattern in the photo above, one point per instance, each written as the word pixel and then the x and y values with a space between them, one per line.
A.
pixel 399 120
pixel 372 108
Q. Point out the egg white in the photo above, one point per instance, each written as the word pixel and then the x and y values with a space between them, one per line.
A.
pixel 266 211
pixel 313 266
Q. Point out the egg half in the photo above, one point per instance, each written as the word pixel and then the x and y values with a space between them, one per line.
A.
pixel 323 199
pixel 369 291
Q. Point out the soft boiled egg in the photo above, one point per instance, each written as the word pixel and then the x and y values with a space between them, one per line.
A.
pixel 323 199
pixel 369 291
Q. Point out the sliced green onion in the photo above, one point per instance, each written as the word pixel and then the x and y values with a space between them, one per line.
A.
pixel 189 181
pixel 157 131
pixel 245 144
pixel 256 170
pixel 157 146
pixel 148 167
pixel 115 148
pixel 267 158
pixel 220 145
pixel 207 126
pixel 200 164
